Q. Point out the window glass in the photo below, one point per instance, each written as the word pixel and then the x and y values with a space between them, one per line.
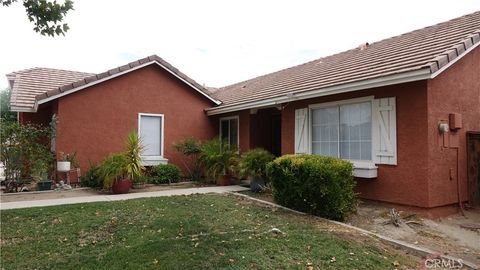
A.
pixel 229 130
pixel 325 131
pixel 343 131
pixel 233 138
pixel 151 134
pixel 224 133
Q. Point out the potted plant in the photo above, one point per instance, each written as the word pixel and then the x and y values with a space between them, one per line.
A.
pixel 253 164
pixel 63 165
pixel 219 159
pixel 119 170
pixel 139 182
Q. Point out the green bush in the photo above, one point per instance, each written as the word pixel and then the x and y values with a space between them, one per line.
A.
pixel 165 174
pixel 318 185
pixel 218 158
pixel 254 162
pixel 190 149
pixel 91 178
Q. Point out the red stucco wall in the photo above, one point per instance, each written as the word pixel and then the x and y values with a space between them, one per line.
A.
pixel 456 90
pixel 406 182
pixel 94 122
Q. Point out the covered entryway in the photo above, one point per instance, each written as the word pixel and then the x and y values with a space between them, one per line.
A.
pixel 265 130
pixel 473 163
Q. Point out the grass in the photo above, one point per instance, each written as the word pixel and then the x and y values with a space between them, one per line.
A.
pixel 183 232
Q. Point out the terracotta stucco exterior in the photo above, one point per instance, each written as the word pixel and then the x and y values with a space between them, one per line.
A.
pixel 94 122
pixel 406 182
pixel 426 172
pixel 457 90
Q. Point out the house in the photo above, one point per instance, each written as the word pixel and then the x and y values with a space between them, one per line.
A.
pixel 400 109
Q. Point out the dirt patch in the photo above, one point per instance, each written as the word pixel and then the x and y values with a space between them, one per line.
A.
pixel 82 192
pixel 444 235
pixel 448 236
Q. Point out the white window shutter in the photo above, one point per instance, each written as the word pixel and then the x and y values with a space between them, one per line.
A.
pixel 301 131
pixel 384 135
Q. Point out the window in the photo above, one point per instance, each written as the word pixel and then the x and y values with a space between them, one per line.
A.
pixel 229 130
pixel 150 129
pixel 343 131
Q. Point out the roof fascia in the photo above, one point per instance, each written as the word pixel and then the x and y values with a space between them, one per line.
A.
pixel 409 76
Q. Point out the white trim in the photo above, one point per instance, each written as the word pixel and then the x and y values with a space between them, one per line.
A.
pixel 365 169
pixel 341 102
pixel 357 163
pixel 238 127
pixel 153 158
pixel 436 73
pixel 22 109
pixel 404 77
pixel 38 102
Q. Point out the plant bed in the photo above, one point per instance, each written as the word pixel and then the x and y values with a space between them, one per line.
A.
pixel 185 232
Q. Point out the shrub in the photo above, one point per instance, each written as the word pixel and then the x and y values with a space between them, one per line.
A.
pixel 254 162
pixel 317 185
pixel 24 150
pixel 91 178
pixel 191 149
pixel 219 158
pixel 165 174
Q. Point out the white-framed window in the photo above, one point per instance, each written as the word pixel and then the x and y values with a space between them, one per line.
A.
pixel 151 131
pixel 229 127
pixel 342 130
pixel 362 130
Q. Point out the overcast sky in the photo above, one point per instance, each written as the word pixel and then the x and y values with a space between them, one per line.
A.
pixel 214 42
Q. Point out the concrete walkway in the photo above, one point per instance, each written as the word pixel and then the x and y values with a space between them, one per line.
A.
pixel 119 197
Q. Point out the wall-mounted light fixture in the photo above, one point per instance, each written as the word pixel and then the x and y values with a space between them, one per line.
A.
pixel 443 128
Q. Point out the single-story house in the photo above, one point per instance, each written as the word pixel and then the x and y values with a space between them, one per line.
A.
pixel 402 110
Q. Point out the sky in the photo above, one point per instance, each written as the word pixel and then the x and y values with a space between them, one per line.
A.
pixel 216 43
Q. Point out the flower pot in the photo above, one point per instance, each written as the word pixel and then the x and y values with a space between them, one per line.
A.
pixel 224 180
pixel 44 185
pixel 63 166
pixel 121 186
pixel 257 183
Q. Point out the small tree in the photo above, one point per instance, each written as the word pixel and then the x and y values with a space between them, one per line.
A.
pixel 191 149
pixel 24 150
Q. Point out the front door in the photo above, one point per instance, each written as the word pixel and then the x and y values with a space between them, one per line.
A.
pixel 276 135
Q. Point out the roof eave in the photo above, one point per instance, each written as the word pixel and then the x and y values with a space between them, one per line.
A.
pixel 409 76
pixel 22 109
pixel 73 90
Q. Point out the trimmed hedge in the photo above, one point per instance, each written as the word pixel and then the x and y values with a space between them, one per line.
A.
pixel 317 185
pixel 164 174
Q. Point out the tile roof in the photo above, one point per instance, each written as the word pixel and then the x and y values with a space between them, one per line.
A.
pixel 29 83
pixel 39 84
pixel 428 48
pixel 125 68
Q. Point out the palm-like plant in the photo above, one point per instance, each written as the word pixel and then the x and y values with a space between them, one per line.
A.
pixel 134 165
pixel 127 165
pixel 218 157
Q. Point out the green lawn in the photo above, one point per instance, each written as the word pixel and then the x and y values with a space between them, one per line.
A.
pixel 183 232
